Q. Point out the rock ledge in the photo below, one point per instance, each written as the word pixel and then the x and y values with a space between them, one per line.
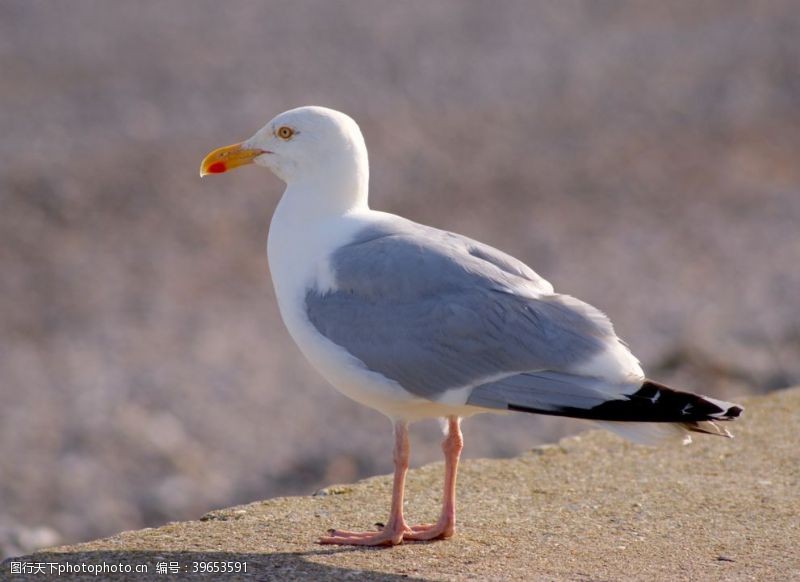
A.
pixel 590 508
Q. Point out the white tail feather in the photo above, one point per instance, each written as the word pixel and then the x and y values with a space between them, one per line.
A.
pixel 649 433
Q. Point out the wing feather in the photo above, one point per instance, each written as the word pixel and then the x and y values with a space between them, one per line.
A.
pixel 436 311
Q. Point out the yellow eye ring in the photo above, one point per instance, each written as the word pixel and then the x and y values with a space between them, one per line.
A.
pixel 284 132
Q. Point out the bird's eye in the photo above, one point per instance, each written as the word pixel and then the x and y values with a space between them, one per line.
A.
pixel 285 132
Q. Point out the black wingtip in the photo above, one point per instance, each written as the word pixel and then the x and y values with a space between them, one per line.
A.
pixel 655 402
pixel 734 412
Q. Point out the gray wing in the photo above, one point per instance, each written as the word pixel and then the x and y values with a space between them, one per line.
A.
pixel 434 311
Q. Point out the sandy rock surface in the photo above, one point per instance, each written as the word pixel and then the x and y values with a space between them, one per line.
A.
pixel 589 508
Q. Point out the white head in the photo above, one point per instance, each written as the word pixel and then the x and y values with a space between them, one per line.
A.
pixel 313 149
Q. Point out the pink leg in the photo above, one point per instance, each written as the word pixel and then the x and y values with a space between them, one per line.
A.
pixel 396 530
pixel 446 526
pixel 392 534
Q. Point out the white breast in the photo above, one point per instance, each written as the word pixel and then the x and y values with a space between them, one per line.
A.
pixel 299 259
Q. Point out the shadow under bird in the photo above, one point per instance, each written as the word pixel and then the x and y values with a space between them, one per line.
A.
pixel 422 323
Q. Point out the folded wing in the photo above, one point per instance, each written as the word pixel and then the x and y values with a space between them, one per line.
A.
pixel 435 312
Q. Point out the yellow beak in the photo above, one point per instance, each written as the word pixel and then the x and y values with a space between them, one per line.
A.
pixel 227 158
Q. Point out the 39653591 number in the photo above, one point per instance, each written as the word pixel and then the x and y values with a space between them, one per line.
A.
pixel 219 567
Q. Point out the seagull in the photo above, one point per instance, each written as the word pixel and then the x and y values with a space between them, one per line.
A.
pixel 420 323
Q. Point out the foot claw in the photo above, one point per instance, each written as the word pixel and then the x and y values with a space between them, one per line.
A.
pixel 430 531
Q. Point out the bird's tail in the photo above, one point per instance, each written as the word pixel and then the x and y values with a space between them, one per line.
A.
pixel 648 413
pixel 657 413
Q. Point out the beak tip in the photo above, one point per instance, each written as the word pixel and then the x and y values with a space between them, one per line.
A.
pixel 227 158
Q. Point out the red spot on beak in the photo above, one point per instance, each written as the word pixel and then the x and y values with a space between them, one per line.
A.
pixel 217 168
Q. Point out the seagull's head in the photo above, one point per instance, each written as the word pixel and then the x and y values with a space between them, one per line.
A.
pixel 307 142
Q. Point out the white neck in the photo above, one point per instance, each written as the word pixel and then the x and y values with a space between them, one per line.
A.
pixel 339 186
pixel 310 220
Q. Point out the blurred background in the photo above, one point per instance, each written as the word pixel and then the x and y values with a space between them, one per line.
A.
pixel 640 155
